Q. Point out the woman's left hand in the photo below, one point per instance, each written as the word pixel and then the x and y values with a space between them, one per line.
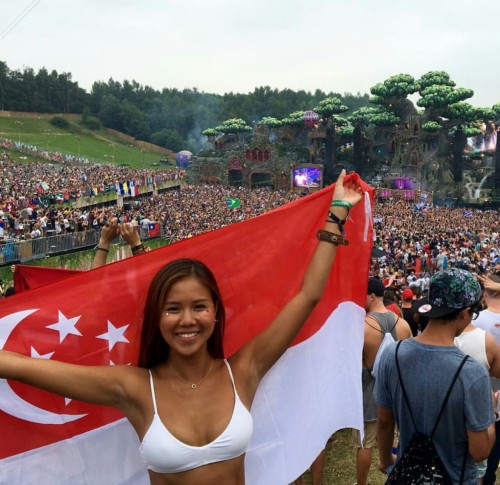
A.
pixel 349 192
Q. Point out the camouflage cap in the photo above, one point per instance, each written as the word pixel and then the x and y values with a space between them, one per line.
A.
pixel 450 290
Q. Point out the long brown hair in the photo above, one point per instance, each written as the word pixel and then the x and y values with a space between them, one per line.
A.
pixel 153 348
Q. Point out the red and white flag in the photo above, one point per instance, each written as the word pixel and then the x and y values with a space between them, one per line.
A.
pixel 27 277
pixel 93 318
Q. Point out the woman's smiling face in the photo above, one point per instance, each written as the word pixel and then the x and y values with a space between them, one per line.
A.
pixel 188 316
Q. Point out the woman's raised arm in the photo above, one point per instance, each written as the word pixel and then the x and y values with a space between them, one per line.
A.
pixel 106 385
pixel 260 354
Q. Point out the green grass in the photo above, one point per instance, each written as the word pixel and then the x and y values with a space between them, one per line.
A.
pixel 98 145
pixel 340 466
pixel 76 260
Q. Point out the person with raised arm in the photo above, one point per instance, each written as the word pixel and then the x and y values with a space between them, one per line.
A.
pixel 188 403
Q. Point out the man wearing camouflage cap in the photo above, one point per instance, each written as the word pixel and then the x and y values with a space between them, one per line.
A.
pixel 428 364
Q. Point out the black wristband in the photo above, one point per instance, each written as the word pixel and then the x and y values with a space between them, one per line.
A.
pixel 97 248
pixel 137 248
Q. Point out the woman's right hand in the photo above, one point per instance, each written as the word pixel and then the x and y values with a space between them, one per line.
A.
pixel 349 192
pixel 109 232
pixel 130 234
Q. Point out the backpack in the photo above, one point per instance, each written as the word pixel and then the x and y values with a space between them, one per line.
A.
pixel 420 463
pixel 387 339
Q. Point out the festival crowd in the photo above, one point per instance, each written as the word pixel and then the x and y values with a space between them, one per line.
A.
pixel 412 241
pixel 408 237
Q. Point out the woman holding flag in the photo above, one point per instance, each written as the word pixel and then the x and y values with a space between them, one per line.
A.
pixel 188 404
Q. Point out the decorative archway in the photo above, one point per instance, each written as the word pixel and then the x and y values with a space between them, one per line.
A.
pixel 235 171
pixel 262 178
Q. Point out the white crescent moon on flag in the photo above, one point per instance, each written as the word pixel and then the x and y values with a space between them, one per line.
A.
pixel 10 402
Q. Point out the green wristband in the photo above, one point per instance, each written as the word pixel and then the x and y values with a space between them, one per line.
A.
pixel 341 203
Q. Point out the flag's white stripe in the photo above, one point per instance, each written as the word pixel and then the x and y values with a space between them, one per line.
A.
pixel 311 392
pixel 368 216
pixel 104 456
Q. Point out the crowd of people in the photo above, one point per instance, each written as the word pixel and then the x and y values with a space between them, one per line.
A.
pixel 28 192
pixel 415 247
pixel 424 241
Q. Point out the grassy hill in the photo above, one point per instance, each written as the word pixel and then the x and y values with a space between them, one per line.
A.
pixel 102 146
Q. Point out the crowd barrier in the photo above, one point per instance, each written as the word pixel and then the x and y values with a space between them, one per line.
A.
pixel 12 252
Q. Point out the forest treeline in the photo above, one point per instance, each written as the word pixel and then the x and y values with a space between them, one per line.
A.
pixel 171 117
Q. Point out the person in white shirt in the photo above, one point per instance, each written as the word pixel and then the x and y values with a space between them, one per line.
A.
pixel 489 319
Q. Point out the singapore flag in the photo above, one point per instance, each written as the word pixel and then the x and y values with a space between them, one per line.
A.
pixel 94 318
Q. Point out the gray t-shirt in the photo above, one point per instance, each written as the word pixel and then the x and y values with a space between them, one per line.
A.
pixel 427 371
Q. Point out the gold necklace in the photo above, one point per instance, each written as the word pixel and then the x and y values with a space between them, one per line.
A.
pixel 192 384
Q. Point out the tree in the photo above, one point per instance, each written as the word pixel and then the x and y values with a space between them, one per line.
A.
pixel 4 72
pixel 110 112
pixel 294 119
pixel 330 109
pixel 170 139
pixel 233 126
pixel 445 110
pixel 360 119
pixel 270 122
pixel 393 93
pixel 496 113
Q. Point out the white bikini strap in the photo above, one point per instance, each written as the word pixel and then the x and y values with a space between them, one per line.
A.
pixel 230 372
pixel 151 383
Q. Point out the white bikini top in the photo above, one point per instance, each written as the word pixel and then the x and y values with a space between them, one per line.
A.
pixel 164 453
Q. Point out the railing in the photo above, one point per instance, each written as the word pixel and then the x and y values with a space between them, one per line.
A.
pixel 13 252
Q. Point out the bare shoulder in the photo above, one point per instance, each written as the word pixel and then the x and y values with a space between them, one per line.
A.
pixel 245 376
pixel 136 401
pixel 403 329
pixel 492 346
pixel 131 377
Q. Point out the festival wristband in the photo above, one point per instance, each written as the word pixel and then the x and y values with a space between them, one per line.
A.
pixel 341 203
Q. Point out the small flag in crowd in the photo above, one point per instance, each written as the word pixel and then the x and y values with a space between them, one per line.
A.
pixel 233 203
pixel 154 229
pixel 467 213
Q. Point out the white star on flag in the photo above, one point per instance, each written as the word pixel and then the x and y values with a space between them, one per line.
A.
pixel 36 355
pixel 65 326
pixel 114 335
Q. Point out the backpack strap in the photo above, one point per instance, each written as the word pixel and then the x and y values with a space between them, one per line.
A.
pixel 455 377
pixel 405 395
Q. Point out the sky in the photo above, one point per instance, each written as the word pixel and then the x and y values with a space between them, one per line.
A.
pixel 220 46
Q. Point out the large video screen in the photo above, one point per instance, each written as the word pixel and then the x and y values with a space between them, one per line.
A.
pixel 307 177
